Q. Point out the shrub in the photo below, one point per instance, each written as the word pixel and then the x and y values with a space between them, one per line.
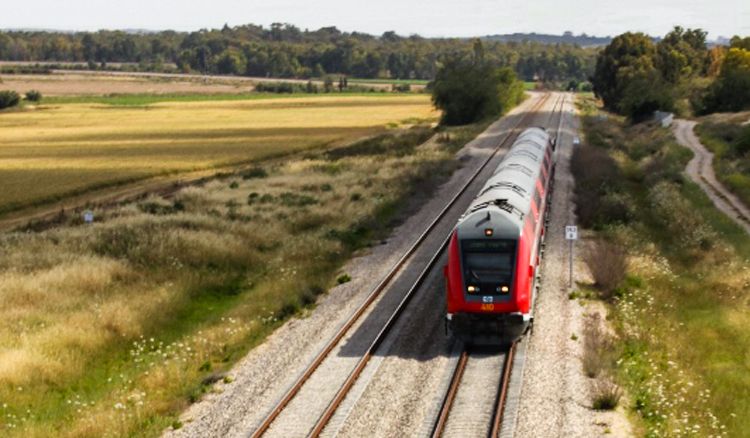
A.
pixel 606 395
pixel 290 199
pixel 597 179
pixel 608 265
pixel 255 172
pixel 33 96
pixel 343 278
pixel 598 347
pixel 676 214
pixel 9 98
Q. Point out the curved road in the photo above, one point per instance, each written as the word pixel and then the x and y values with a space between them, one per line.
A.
pixel 700 170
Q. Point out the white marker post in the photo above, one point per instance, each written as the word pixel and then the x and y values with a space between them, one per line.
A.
pixel 571 235
pixel 88 216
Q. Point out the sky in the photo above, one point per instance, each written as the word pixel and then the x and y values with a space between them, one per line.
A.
pixel 434 18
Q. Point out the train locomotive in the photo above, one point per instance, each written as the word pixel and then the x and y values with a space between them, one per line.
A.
pixel 495 248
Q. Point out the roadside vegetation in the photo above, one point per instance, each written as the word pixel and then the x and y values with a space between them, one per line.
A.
pixel 728 137
pixel 58 149
pixel 678 305
pixel 115 327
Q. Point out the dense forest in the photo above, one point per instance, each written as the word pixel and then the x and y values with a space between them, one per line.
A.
pixel 284 50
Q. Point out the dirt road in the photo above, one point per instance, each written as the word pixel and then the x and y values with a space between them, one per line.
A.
pixel 700 169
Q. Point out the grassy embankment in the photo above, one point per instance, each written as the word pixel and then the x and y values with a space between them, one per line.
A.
pixel 681 314
pixel 729 140
pixel 57 150
pixel 112 329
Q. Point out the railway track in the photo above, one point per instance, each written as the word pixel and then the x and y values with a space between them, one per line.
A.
pixel 481 376
pixel 382 285
pixel 493 427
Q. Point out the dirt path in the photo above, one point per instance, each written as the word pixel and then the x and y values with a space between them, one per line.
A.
pixel 700 169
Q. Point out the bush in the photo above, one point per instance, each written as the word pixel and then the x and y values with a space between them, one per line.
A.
pixel 677 215
pixel 597 179
pixel 606 395
pixel 8 99
pixel 255 172
pixel 598 348
pixel 608 265
pixel 343 278
pixel 280 87
pixel 470 89
pixel 33 96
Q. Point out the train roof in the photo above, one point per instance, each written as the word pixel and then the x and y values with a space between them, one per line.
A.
pixel 509 190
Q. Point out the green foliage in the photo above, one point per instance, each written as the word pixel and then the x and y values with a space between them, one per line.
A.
pixel 636 77
pixel 628 55
pixel 9 98
pixel 731 90
pixel 33 96
pixel 470 89
pixel 283 50
pixel 682 53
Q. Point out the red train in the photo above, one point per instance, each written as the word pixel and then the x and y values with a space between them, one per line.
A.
pixel 494 252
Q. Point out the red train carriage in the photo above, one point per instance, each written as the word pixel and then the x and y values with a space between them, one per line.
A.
pixel 494 251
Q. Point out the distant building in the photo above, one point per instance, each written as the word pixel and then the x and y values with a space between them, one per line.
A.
pixel 663 118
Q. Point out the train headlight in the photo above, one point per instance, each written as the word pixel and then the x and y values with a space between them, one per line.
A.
pixel 488 232
pixel 472 289
pixel 504 289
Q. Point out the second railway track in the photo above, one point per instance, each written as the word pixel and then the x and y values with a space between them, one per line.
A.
pixel 352 377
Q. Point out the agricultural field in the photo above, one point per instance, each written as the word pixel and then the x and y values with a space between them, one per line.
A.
pixel 87 346
pixel 58 149
pixel 680 312
pixel 77 84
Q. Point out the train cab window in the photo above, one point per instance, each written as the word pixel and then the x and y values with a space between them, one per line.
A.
pixel 488 266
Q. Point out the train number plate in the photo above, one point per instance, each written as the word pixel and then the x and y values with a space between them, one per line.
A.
pixel 488 307
pixel 486 299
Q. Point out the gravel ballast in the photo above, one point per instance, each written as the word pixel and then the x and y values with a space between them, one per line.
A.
pixel 263 376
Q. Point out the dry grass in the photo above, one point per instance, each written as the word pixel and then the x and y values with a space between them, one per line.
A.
pixel 112 328
pixel 605 395
pixel 94 84
pixel 607 262
pixel 53 151
pixel 599 352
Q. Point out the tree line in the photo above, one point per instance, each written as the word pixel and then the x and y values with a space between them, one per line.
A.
pixel 636 76
pixel 286 51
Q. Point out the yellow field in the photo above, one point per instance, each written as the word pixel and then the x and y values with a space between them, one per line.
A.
pixel 49 152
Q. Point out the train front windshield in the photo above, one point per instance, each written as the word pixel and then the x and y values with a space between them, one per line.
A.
pixel 488 265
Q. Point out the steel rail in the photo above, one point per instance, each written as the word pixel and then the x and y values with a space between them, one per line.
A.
pixel 502 394
pixel 380 338
pixel 450 396
pixel 381 286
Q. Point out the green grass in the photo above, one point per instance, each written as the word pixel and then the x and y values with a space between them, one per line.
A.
pixel 682 314
pixel 389 81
